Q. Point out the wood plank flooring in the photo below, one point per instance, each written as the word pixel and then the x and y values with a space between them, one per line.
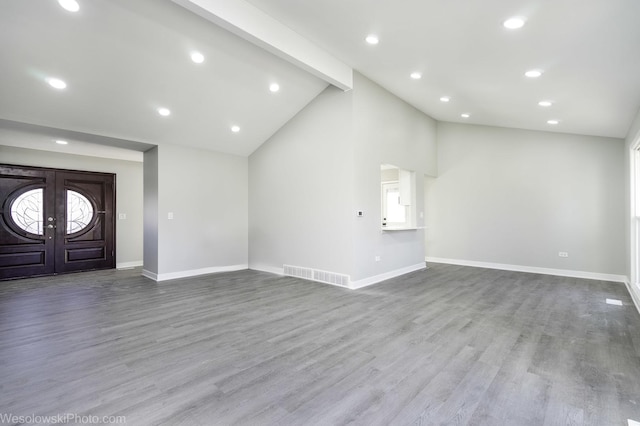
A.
pixel 447 346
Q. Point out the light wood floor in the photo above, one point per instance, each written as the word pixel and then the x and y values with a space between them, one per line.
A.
pixel 450 345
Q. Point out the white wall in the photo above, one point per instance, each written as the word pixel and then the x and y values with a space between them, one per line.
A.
pixel 387 130
pixel 207 194
pixel 307 182
pixel 300 184
pixel 128 191
pixel 151 214
pixel 516 197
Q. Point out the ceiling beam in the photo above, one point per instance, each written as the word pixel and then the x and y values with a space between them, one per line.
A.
pixel 58 133
pixel 247 21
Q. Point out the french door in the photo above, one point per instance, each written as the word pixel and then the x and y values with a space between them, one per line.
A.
pixel 55 221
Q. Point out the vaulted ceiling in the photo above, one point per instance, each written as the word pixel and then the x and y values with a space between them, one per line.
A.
pixel 122 60
pixel 588 51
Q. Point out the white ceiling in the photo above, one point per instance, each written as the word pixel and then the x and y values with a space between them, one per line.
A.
pixel 589 50
pixel 122 59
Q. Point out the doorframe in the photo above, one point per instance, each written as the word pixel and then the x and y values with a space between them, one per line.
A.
pixel 634 220
pixel 56 171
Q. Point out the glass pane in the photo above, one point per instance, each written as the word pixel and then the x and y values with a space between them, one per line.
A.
pixel 79 212
pixel 27 211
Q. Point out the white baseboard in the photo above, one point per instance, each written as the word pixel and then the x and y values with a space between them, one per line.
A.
pixel 129 265
pixel 150 275
pixel 354 285
pixel 193 272
pixel 269 269
pixel 635 294
pixel 531 269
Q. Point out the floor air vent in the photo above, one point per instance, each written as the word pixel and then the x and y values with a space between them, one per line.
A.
pixel 317 275
pixel 296 271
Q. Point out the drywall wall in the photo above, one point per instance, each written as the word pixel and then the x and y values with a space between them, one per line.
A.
pixel 515 197
pixel 387 130
pixel 151 213
pixel 300 184
pixel 202 211
pixel 307 182
pixel 129 236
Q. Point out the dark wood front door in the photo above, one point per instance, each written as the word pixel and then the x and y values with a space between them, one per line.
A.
pixel 55 221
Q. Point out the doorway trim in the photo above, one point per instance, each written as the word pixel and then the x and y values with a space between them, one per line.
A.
pixel 633 283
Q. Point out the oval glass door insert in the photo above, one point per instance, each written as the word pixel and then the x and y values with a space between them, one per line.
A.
pixel 79 212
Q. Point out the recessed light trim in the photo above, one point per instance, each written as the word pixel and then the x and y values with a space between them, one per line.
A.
pixel 416 75
pixel 56 83
pixel 514 22
pixel 545 103
pixel 165 112
pixel 197 57
pixel 445 99
pixel 61 142
pixel 69 5
pixel 235 129
pixel 274 87
pixel 533 73
pixel 372 39
pixel 553 122
pixel 465 115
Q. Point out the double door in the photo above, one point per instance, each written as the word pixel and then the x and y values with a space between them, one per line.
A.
pixel 55 221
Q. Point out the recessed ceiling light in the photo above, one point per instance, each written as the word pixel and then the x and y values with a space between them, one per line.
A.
pixel 514 23
pixel 416 75
pixel 553 122
pixel 235 129
pixel 445 99
pixel 545 103
pixel 165 112
pixel 197 57
pixel 70 5
pixel 56 83
pixel 533 73
pixel 465 115
pixel 274 87
pixel 61 142
pixel 372 39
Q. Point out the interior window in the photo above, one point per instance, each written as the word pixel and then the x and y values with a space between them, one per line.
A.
pixel 395 213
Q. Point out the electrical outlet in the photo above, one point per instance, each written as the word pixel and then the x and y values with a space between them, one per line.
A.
pixel 377 258
pixel 122 216
pixel 563 254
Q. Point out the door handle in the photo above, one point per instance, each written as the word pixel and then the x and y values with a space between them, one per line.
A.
pixel 50 226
